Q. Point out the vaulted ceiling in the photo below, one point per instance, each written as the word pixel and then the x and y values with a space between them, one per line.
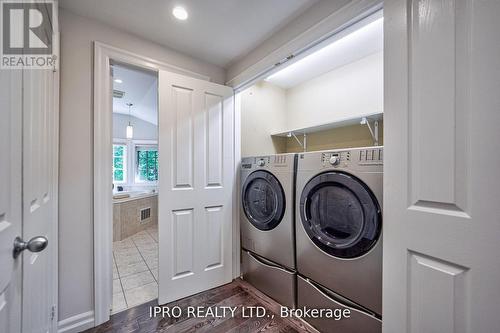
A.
pixel 140 88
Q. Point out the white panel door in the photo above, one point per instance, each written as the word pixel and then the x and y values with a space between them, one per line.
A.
pixel 39 147
pixel 196 178
pixel 441 183
pixel 10 198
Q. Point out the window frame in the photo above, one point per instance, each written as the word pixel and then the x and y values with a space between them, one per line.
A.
pixel 131 163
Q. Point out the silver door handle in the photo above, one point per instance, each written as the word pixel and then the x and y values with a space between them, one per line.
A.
pixel 36 244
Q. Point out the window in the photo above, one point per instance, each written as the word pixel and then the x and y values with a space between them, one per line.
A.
pixel 119 163
pixel 146 163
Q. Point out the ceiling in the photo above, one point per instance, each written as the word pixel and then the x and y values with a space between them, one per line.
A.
pixel 141 89
pixel 217 31
pixel 362 39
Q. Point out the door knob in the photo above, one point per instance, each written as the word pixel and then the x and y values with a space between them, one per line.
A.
pixel 36 244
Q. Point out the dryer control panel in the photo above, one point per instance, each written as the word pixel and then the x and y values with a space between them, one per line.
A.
pixel 356 156
pixel 336 158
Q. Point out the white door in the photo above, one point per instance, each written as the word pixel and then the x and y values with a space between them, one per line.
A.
pixel 442 164
pixel 196 178
pixel 28 142
pixel 10 199
pixel 39 191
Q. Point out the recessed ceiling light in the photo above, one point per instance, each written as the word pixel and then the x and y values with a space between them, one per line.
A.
pixel 180 13
pixel 118 81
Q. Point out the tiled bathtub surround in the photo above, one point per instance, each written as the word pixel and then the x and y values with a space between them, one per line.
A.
pixel 135 269
pixel 127 215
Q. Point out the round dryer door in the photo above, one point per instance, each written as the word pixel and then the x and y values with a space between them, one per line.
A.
pixel 340 214
pixel 263 200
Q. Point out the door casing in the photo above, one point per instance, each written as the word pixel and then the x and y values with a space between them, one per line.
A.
pixel 104 55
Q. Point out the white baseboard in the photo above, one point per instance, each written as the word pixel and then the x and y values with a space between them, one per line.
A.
pixel 77 323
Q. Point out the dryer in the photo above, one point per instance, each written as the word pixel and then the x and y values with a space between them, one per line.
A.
pixel 338 235
pixel 267 225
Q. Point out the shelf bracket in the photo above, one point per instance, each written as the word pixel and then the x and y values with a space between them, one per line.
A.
pixel 302 144
pixel 374 131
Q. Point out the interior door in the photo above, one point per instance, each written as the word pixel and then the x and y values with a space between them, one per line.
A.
pixel 441 184
pixel 10 198
pixel 196 178
pixel 38 194
pixel 28 142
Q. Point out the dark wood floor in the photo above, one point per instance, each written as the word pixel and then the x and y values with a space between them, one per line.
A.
pixel 238 293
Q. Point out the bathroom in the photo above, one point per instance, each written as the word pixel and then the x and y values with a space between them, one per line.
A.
pixel 135 187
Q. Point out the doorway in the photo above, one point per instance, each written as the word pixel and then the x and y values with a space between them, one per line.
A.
pixel 135 187
pixel 196 123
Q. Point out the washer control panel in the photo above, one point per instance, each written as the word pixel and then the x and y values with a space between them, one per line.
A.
pixel 282 161
pixel 262 161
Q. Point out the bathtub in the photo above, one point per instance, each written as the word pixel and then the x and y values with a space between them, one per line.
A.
pixel 124 196
pixel 129 216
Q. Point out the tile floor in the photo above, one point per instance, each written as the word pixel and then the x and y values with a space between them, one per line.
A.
pixel 135 269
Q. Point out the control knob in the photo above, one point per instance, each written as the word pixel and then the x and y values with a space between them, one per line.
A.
pixel 334 160
pixel 261 162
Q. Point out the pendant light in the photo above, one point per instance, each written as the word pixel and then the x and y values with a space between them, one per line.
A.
pixel 130 128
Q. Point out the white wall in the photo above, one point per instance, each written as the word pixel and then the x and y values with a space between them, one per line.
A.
pixel 76 150
pixel 143 130
pixel 263 109
pixel 348 91
pixel 345 92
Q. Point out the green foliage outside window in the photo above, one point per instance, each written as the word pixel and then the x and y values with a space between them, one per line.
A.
pixel 147 165
pixel 119 163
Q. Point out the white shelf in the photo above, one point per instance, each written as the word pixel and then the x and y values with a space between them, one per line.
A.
pixel 327 126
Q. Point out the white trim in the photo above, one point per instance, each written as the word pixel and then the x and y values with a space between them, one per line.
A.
pixel 297 47
pixel 134 59
pixel 237 184
pixel 77 323
pixel 103 140
pixel 55 171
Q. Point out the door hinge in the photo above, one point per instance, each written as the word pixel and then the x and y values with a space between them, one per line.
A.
pixel 53 312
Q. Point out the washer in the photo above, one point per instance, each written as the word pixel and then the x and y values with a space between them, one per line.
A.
pixel 338 234
pixel 267 225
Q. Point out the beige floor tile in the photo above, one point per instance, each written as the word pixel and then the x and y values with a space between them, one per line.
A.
pixel 148 247
pixel 126 251
pixel 125 270
pixel 118 303
pixel 127 260
pixel 147 253
pixel 152 262
pixel 155 237
pixel 123 244
pixel 133 258
pixel 154 271
pixel 141 294
pixel 117 286
pixel 137 280
pixel 144 242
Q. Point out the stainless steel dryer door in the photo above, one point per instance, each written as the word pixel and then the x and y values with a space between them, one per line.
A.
pixel 340 214
pixel 266 222
pixel 263 200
